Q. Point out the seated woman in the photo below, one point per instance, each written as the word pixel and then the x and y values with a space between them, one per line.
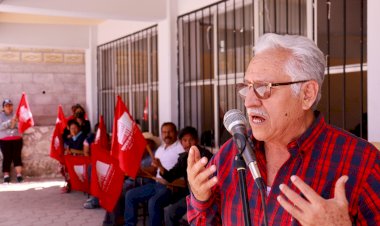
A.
pixel 79 115
pixel 73 146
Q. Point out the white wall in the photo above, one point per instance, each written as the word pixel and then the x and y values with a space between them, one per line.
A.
pixel 114 29
pixel 91 77
pixel 373 71
pixel 185 6
pixel 167 63
pixel 39 35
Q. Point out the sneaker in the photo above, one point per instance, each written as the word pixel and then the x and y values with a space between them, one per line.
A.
pixel 66 189
pixel 20 179
pixel 90 205
pixel 7 179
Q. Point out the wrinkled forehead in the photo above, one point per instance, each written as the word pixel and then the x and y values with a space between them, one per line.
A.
pixel 267 64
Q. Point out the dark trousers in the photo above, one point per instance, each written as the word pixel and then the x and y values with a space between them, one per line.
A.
pixel 175 212
pixel 11 150
pixel 157 195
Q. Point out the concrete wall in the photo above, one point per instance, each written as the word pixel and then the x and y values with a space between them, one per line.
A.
pixel 48 76
pixel 373 83
pixel 44 35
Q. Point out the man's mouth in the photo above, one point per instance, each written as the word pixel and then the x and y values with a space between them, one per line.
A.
pixel 257 119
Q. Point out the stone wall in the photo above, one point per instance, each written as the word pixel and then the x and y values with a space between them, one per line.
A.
pixel 48 76
pixel 35 153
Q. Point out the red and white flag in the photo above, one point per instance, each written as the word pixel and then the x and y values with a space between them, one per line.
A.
pixel 61 120
pixel 77 167
pixel 101 137
pixel 24 115
pixel 106 177
pixel 128 143
pixel 56 146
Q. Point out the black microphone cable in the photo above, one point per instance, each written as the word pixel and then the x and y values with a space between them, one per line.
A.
pixel 262 188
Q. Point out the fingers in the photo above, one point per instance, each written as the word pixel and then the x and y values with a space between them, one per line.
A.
pixel 154 163
pixel 193 157
pixel 295 198
pixel 204 175
pixel 340 191
pixel 197 154
pixel 292 209
pixel 198 175
pixel 306 190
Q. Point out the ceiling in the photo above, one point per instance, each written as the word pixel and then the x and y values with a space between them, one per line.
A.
pixel 82 12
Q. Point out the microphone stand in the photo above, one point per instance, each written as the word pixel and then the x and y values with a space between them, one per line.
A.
pixel 241 167
pixel 261 186
pixel 241 143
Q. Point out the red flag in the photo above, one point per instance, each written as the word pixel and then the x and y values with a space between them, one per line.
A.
pixel 101 137
pixel 56 146
pixel 61 119
pixel 106 177
pixel 24 115
pixel 77 167
pixel 128 143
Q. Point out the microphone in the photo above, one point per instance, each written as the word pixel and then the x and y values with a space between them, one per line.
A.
pixel 235 123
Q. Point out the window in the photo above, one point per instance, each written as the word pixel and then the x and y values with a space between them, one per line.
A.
pixel 215 46
pixel 128 67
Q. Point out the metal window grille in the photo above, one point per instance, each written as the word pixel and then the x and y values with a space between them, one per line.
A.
pixel 128 67
pixel 215 46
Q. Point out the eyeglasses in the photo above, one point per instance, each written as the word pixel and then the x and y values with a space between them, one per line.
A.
pixel 261 89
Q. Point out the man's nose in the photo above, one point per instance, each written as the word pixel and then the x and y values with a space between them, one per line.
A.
pixel 251 100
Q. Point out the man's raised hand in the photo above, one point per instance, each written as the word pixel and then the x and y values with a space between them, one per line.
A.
pixel 199 176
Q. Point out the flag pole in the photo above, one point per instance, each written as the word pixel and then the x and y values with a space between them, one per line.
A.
pixel 150 151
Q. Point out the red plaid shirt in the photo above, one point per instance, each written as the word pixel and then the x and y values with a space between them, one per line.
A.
pixel 319 157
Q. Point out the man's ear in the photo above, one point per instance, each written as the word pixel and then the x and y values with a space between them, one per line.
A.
pixel 309 93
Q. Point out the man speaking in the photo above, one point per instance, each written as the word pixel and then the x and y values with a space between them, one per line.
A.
pixel 314 173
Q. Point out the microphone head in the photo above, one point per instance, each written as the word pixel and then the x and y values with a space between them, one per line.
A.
pixel 232 118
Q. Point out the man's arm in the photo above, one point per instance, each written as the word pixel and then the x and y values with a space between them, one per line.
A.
pixel 203 204
pixel 178 170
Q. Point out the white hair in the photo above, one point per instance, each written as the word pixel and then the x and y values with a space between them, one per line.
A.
pixel 307 61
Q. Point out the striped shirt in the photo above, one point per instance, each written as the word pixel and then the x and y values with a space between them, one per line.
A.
pixel 319 157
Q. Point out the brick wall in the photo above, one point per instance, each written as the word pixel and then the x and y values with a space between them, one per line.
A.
pixel 48 76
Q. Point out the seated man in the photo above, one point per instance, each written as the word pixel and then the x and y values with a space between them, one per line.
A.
pixel 188 137
pixel 156 193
